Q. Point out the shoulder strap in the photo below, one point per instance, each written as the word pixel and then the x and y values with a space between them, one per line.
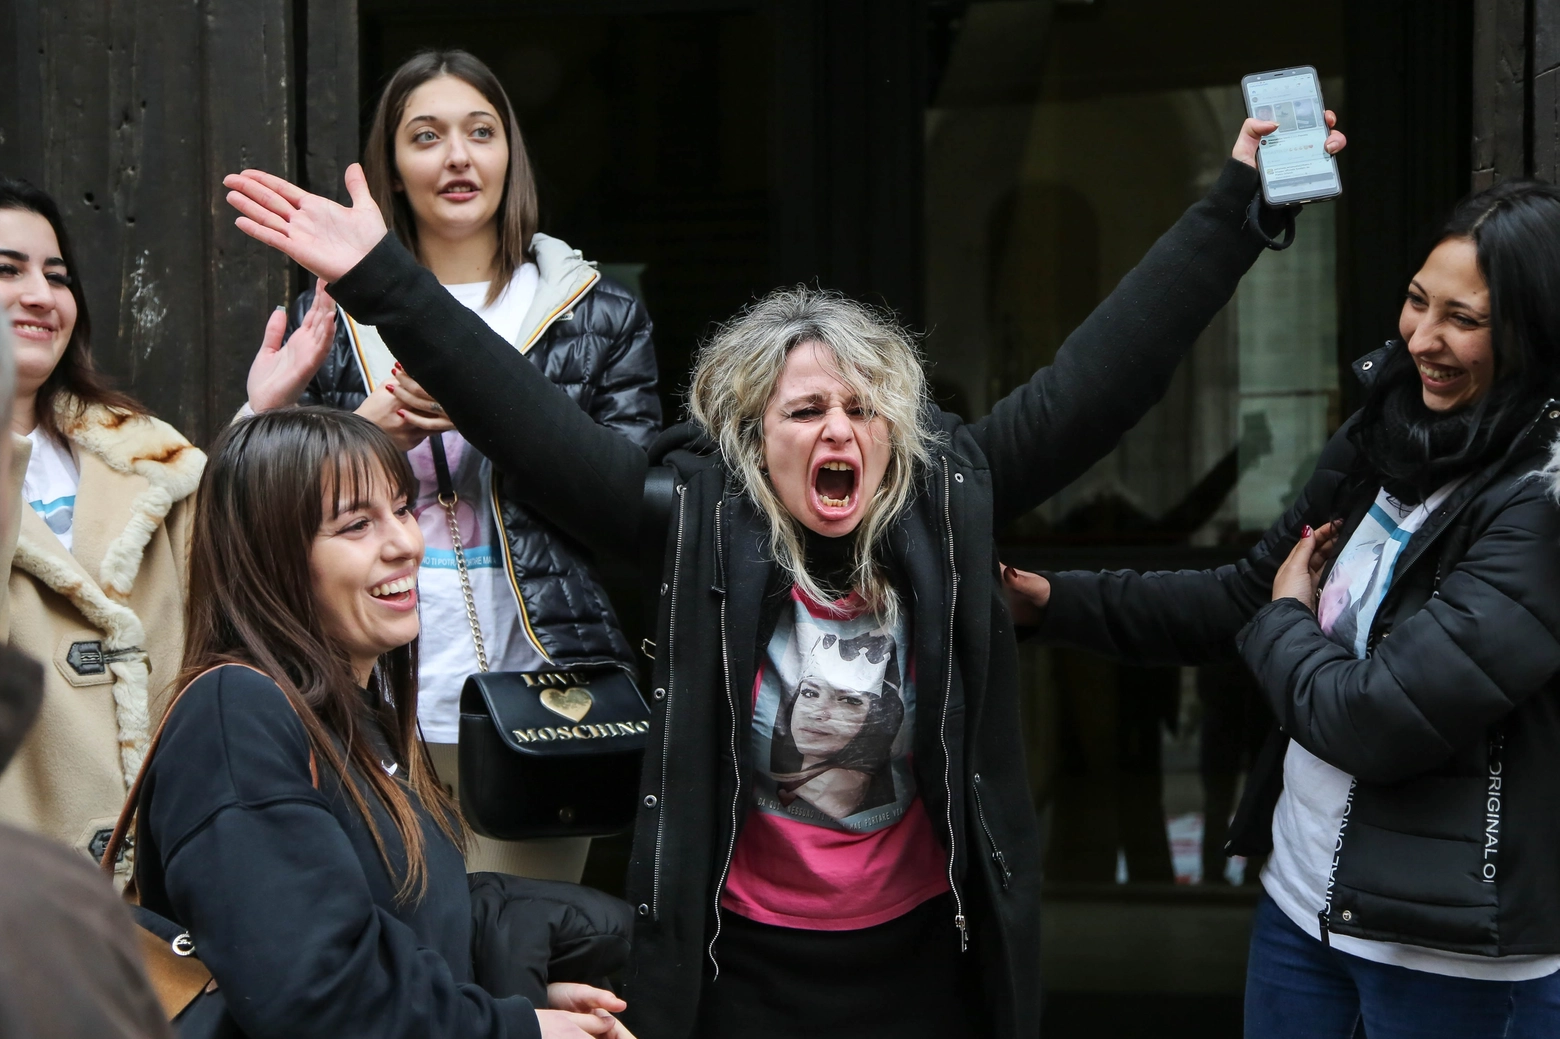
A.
pixel 441 466
pixel 655 515
pixel 132 800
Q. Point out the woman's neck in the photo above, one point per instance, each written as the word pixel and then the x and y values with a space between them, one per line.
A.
pixel 830 561
pixel 463 260
pixel 24 413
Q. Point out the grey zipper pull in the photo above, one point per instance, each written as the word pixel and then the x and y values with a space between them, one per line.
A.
pixel 964 932
pixel 1322 917
pixel 1006 874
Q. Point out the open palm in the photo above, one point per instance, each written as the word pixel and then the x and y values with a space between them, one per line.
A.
pixel 325 238
pixel 281 370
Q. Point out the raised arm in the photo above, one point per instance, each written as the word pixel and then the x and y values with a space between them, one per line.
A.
pixel 1185 617
pixel 577 474
pixel 1119 362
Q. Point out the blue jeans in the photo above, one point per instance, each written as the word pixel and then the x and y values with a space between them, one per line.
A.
pixel 1298 987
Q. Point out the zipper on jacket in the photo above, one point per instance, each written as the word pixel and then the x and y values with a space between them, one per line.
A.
pixel 1324 915
pixel 1003 873
pixel 666 716
pixel 562 308
pixel 959 920
pixel 736 768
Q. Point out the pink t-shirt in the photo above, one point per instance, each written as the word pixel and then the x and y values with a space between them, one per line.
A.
pixel 837 837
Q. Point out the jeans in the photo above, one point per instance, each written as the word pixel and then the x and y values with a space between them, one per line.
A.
pixel 1298 987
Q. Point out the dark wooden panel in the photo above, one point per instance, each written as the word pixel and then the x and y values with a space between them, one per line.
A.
pixel 330 106
pixel 138 109
pixel 1500 82
pixel 21 90
pixel 1546 36
pixel 1546 126
pixel 1544 95
pixel 247 87
pixel 120 129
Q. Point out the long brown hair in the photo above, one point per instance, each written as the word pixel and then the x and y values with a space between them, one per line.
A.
pixel 251 601
pixel 517 210
pixel 75 374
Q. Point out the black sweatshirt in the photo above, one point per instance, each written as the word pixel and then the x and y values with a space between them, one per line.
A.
pixel 284 893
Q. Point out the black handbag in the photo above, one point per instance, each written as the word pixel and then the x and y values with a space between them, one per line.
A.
pixel 543 753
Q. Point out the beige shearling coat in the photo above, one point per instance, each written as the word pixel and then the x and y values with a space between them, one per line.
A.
pixel 118 600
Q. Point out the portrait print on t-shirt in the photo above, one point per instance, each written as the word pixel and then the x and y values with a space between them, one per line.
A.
pixel 833 720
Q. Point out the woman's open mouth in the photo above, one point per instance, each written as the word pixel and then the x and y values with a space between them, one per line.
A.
pixel 459 191
pixel 835 484
pixel 1439 376
pixel 400 593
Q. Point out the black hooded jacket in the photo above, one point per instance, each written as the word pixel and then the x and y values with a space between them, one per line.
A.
pixel 1451 723
pixel 599 352
pixel 710 568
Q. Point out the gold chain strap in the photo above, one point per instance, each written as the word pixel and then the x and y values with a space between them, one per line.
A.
pixel 465 579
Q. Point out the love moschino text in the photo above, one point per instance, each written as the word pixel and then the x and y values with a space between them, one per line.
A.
pixel 580 732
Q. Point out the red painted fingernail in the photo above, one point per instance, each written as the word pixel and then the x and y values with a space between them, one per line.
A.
pixel 1305 531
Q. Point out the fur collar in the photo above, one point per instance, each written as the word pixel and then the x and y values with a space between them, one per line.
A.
pixel 135 445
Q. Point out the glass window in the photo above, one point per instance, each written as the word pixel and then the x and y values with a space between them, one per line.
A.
pixel 1058 149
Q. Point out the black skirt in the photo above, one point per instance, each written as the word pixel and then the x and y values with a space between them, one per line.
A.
pixel 905 978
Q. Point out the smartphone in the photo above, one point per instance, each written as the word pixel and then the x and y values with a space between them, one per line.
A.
pixel 1295 166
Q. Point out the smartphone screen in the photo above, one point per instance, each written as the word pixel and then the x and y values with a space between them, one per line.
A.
pixel 1294 164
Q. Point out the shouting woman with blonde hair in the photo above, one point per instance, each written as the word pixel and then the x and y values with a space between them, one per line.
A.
pixel 812 857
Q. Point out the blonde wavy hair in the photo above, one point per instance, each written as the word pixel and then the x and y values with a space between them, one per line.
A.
pixel 734 379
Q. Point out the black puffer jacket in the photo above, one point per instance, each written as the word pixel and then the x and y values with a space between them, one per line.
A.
pixel 594 345
pixel 711 569
pixel 1450 725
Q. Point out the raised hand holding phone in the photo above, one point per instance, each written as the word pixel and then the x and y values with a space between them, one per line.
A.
pixel 1252 132
pixel 1295 153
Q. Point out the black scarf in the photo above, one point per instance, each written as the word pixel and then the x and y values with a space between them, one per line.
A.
pixel 1413 450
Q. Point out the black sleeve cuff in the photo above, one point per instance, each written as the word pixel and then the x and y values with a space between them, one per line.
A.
pixel 1238 195
pixel 366 287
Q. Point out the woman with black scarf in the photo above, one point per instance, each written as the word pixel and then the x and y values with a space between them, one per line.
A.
pixel 1403 621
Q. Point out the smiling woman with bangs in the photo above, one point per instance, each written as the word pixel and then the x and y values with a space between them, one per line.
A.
pixel 289 819
pixel 836 835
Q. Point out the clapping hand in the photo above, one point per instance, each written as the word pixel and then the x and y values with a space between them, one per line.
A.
pixel 325 238
pixel 281 370
pixel 1300 576
pixel 403 409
